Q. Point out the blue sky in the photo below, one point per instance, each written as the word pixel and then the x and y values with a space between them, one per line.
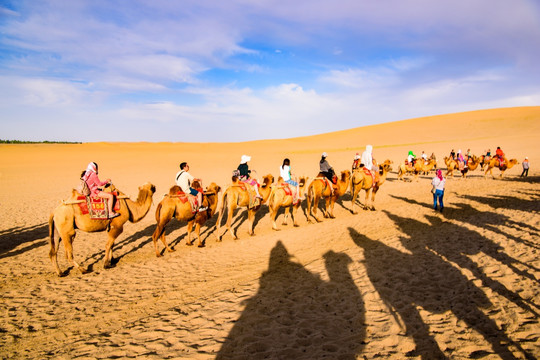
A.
pixel 237 70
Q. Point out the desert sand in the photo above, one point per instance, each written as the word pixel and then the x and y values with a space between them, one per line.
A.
pixel 400 282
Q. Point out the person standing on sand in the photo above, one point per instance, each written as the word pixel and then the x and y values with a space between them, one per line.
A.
pixel 525 167
pixel 438 183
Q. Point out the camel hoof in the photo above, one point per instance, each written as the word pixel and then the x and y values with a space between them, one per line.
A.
pixel 189 244
pixel 200 245
pixel 170 250
pixel 275 229
pixel 296 225
pixel 158 255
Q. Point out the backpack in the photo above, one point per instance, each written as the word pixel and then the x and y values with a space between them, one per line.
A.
pixel 83 188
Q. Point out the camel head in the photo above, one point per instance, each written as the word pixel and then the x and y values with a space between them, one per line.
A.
pixel 345 175
pixel 148 187
pixel 213 187
pixel 267 180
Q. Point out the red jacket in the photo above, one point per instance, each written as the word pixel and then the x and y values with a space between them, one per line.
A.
pixel 93 182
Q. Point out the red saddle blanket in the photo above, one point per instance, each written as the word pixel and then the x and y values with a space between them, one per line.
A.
pixel 96 207
pixel 286 188
pixel 183 197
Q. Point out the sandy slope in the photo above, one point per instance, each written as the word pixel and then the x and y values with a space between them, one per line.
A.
pixel 400 281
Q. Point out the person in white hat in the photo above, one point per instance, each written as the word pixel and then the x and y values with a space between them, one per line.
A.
pixel 245 174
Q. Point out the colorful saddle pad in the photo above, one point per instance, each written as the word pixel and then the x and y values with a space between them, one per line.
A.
pixel 97 208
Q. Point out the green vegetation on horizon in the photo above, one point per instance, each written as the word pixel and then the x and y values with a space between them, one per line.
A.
pixel 36 142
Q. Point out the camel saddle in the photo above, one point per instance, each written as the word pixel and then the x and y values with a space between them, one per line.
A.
pixel 192 199
pixel 97 208
pixel 373 174
pixel 290 192
pixel 254 201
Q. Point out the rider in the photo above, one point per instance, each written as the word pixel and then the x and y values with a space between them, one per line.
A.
pixel 453 155
pixel 326 170
pixel 368 162
pixel 411 158
pixel 500 154
pixel 356 162
pixel 285 172
pixel 92 180
pixel 184 179
pixel 245 174
pixel 460 159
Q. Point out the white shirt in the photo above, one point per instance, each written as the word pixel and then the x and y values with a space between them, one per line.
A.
pixel 438 183
pixel 367 157
pixel 285 172
pixel 184 179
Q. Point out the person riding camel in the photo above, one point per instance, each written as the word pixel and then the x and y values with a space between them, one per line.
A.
pixel 368 162
pixel 411 158
pixel 92 181
pixel 453 155
pixel 245 174
pixel 327 171
pixel 356 162
pixel 500 154
pixel 285 173
pixel 461 160
pixel 184 179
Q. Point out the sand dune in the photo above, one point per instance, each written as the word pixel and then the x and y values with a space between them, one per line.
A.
pixel 402 281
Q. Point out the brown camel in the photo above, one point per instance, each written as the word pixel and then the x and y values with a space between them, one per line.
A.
pixel 68 217
pixel 172 206
pixel 472 164
pixel 236 196
pixel 494 163
pixel 419 167
pixel 279 198
pixel 361 181
pixel 319 188
pixel 451 165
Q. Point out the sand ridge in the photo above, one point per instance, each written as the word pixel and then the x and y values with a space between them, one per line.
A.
pixel 402 281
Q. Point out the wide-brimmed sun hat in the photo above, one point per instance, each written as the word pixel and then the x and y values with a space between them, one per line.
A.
pixel 245 159
pixel 324 154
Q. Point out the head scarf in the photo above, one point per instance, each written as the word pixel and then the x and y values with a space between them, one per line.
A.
pixel 369 148
pixel 439 174
pixel 324 154
pixel 245 159
pixel 91 168
pixel 411 153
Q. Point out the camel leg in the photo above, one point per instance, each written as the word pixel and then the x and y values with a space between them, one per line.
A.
pixel 286 215
pixel 53 253
pixel 198 230
pixel 113 234
pixel 373 192
pixel 353 200
pixel 316 200
pixel 189 242
pixel 164 219
pixel 330 208
pixel 294 210
pixel 68 246
pixel 251 220
pixel 232 208
pixel 273 215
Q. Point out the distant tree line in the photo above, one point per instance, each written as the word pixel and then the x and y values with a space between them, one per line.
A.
pixel 36 142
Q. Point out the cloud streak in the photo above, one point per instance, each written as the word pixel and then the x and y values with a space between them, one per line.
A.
pixel 247 70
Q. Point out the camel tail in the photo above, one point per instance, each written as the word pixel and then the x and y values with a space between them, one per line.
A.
pixel 51 234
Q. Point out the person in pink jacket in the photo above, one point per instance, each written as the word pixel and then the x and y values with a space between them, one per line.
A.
pixel 93 182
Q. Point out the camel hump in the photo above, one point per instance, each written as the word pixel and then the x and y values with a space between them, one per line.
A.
pixel 174 190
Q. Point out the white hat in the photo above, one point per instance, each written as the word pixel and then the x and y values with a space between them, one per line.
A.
pixel 357 156
pixel 245 159
pixel 324 154
pixel 526 158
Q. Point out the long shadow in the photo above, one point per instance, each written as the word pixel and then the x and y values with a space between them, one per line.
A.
pixel 508 202
pixel 297 315
pixel 12 238
pixel 405 281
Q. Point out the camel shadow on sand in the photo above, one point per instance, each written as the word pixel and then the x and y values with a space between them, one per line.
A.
pixel 405 282
pixel 297 315
pixel 31 237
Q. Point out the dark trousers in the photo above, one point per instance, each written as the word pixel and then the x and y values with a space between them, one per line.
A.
pixel 525 172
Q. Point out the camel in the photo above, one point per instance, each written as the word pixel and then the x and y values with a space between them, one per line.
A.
pixel 278 198
pixel 236 195
pixel 419 167
pixel 361 181
pixel 451 165
pixel 68 217
pixel 171 206
pixel 472 164
pixel 494 162
pixel 319 188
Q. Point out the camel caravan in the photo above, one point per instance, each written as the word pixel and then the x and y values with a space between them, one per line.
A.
pixel 98 206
